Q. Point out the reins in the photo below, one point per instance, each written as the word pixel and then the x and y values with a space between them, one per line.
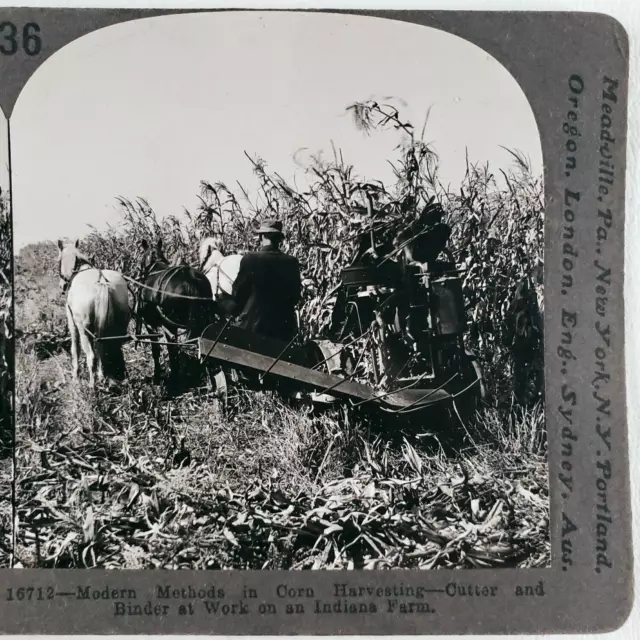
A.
pixel 141 339
pixel 88 264
pixel 156 290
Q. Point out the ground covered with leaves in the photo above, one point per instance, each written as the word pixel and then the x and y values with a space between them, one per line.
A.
pixel 6 543
pixel 135 481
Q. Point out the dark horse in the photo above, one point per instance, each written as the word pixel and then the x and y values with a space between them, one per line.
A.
pixel 173 298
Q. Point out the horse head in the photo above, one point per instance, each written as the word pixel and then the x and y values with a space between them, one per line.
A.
pixel 70 259
pixel 211 252
pixel 152 258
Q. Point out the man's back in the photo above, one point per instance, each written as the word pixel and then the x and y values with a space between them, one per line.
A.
pixel 266 292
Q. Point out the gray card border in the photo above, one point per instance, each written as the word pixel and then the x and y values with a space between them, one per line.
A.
pixel 542 50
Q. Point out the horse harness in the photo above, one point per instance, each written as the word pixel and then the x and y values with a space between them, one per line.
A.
pixel 218 290
pixel 159 289
pixel 167 273
pixel 77 268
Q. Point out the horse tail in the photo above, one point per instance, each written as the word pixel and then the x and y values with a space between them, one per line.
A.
pixel 110 324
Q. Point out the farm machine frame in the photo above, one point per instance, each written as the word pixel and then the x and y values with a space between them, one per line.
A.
pixel 396 341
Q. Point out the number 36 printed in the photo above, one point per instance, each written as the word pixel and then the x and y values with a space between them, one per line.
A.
pixel 11 40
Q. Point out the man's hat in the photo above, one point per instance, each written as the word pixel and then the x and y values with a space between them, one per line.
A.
pixel 270 226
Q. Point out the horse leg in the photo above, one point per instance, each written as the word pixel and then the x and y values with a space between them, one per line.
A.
pixel 87 347
pixel 99 363
pixel 155 352
pixel 174 373
pixel 73 332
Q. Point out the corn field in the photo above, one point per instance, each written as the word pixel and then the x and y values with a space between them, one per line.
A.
pixel 133 480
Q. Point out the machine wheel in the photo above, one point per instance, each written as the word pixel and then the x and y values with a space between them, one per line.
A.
pixel 324 351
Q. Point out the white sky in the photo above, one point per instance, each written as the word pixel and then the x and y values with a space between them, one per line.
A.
pixel 152 107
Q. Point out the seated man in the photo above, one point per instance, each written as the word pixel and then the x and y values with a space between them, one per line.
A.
pixel 268 287
pixel 420 248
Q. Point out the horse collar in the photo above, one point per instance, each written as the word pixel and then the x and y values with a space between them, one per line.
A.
pixel 75 272
pixel 157 267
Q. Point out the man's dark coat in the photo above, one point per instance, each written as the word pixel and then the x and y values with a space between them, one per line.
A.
pixel 266 292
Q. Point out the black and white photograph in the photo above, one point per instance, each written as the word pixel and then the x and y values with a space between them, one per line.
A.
pixel 278 300
pixel 321 314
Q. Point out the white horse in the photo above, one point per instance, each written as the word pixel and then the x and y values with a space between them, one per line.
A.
pixel 97 308
pixel 221 270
